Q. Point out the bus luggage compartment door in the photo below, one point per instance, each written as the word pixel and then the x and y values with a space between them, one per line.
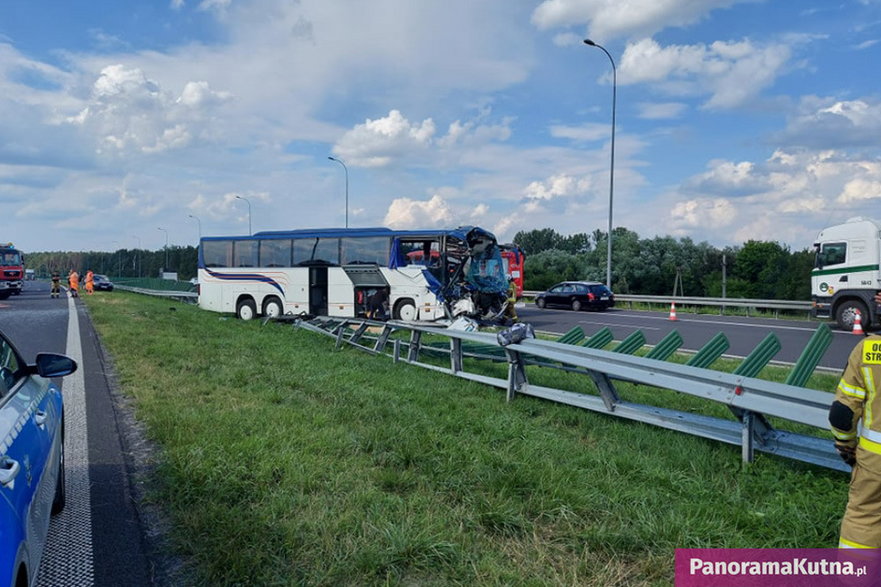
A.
pixel 318 291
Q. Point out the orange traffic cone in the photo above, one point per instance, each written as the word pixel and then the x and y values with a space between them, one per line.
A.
pixel 858 324
pixel 672 310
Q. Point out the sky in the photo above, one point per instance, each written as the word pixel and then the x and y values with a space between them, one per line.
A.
pixel 140 123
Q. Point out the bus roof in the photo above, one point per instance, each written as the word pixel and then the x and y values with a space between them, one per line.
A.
pixel 460 232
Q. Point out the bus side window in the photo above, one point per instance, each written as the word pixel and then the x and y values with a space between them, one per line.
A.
pixel 245 253
pixel 217 253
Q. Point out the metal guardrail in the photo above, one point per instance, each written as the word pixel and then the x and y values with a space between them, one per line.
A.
pixel 751 401
pixel 721 303
pixel 183 296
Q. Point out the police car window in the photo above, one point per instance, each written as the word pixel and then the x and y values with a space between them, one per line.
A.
pixel 9 367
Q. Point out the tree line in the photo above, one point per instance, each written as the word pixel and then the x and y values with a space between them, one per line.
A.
pixel 665 265
pixel 661 265
pixel 116 264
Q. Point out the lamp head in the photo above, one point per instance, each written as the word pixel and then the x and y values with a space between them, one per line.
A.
pixel 589 42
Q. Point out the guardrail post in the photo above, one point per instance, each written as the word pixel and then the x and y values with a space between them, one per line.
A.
pixel 456 354
pixel 339 337
pixel 396 355
pixel 747 432
pixel 415 341
pixel 516 373
pixel 383 339
pixel 607 390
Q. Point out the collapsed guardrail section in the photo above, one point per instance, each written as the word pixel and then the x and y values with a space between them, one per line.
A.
pixel 752 402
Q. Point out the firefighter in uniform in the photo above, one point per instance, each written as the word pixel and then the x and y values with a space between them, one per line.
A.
pixel 56 285
pixel 857 398
pixel 510 310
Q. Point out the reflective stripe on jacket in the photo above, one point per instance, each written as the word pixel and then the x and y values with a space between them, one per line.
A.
pixel 858 391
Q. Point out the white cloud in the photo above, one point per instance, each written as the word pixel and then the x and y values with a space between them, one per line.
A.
pixel 729 72
pixel 409 213
pixel 609 19
pixel 823 123
pixel 376 143
pixel 705 213
pixel 661 110
pixel 860 191
pixel 129 112
pixel 584 133
pixel 557 186
pixel 729 179
pixel 380 142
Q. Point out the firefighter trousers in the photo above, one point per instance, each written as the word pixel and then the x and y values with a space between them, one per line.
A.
pixel 861 526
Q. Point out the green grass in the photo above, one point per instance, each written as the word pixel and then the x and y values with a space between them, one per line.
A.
pixel 284 462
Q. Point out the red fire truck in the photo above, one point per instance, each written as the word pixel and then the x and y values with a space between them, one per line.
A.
pixel 11 270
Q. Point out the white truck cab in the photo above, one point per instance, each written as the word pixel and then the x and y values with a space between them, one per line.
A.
pixel 847 273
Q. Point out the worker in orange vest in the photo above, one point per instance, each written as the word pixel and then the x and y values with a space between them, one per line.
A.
pixel 73 280
pixel 90 282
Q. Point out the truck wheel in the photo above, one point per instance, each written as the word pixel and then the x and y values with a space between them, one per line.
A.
pixel 845 315
pixel 246 309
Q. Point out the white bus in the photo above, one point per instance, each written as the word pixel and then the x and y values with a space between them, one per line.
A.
pixel 424 275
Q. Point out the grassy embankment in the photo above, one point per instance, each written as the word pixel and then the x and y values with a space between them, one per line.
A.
pixel 284 462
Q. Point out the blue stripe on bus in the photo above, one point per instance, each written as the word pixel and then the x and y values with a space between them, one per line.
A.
pixel 246 277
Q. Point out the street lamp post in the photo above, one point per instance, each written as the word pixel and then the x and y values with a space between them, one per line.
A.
pixel 612 165
pixel 196 218
pixel 164 269
pixel 346 169
pixel 249 213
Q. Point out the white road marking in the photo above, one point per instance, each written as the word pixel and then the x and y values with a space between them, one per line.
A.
pixel 68 559
pixel 714 323
pixel 618 324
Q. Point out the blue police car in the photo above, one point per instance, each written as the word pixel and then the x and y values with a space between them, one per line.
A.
pixel 31 458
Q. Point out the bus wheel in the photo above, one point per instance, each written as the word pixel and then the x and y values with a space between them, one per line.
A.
pixel 246 309
pixel 847 312
pixel 405 310
pixel 272 308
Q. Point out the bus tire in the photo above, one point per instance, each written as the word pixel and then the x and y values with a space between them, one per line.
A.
pixel 272 308
pixel 405 309
pixel 246 309
pixel 846 313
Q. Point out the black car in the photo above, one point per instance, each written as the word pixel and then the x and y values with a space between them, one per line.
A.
pixel 577 295
pixel 103 283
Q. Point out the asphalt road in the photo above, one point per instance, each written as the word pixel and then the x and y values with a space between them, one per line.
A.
pixel 98 538
pixel 743 333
